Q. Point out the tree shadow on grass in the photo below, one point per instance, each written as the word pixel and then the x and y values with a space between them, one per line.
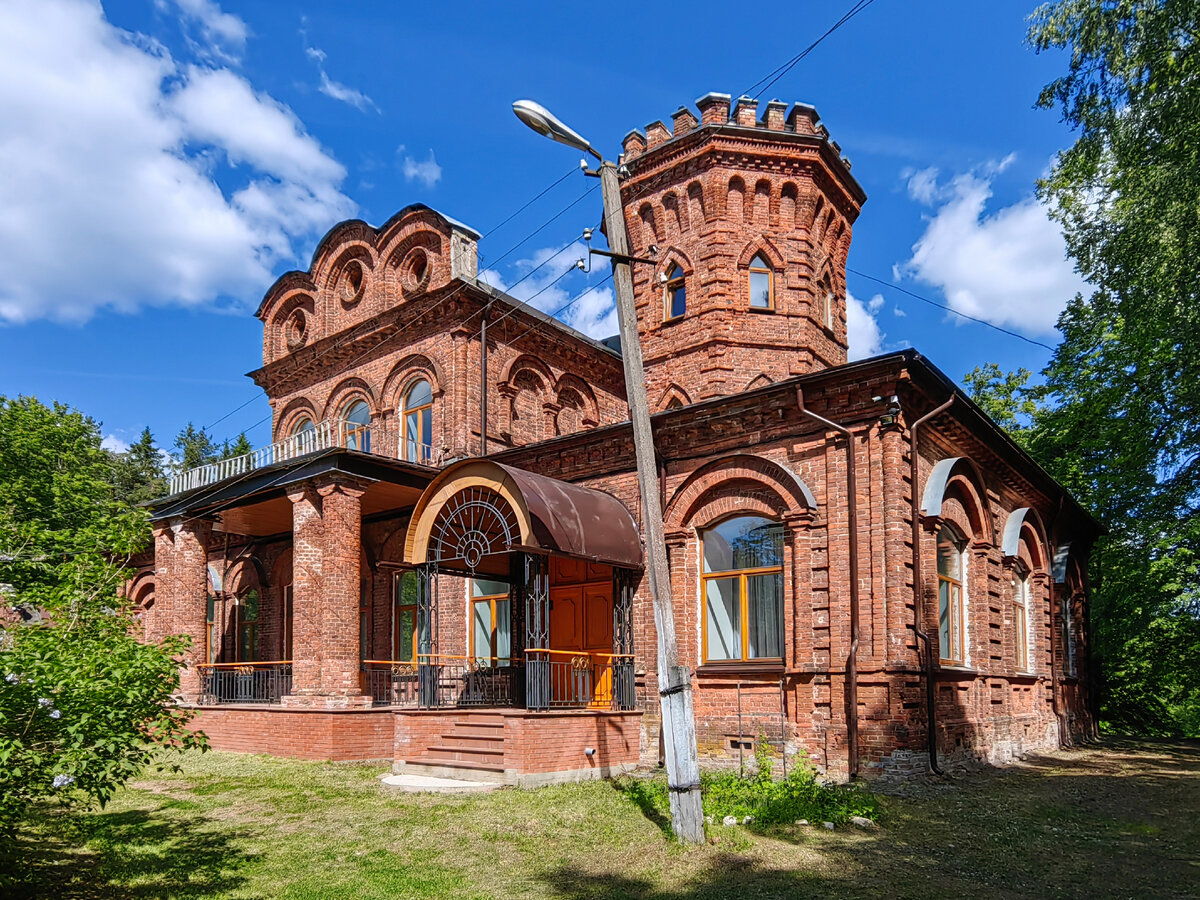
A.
pixel 124 854
pixel 728 875
pixel 644 793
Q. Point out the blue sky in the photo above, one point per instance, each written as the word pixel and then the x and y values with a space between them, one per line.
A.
pixel 162 161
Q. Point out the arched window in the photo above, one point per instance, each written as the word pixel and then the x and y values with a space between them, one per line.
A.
pixel 827 310
pixel 417 445
pixel 743 590
pixel 1068 637
pixel 950 565
pixel 356 426
pixel 675 293
pixel 303 426
pixel 762 284
pixel 1020 601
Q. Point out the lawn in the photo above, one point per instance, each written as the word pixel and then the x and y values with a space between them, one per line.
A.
pixel 1118 820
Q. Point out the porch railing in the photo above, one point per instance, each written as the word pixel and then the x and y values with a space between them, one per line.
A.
pixel 581 679
pixel 326 434
pixel 443 682
pixel 245 682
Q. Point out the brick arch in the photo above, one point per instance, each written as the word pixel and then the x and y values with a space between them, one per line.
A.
pixel 405 372
pixel 760 380
pixel 400 250
pixel 278 325
pixel 735 199
pixel 674 217
pixel 762 203
pixel 527 362
pixel 140 591
pixel 336 288
pixel 245 574
pixel 670 256
pixel 789 206
pixel 590 411
pixel 767 248
pixel 961 478
pixel 734 498
pixel 647 227
pixel 672 393
pixel 300 407
pixel 814 212
pixel 752 475
pixel 340 397
pixel 1025 527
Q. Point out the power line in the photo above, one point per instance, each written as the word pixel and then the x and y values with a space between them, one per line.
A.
pixel 948 309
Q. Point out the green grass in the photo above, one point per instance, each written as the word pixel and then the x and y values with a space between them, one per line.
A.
pixel 1115 821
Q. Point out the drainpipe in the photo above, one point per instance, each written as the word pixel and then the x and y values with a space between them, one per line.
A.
pixel 852 524
pixel 483 387
pixel 918 593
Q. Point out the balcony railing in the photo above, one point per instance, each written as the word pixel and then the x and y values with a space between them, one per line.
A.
pixel 580 679
pixel 245 682
pixel 321 437
pixel 443 682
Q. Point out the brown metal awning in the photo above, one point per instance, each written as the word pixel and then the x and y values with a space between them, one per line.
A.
pixel 539 513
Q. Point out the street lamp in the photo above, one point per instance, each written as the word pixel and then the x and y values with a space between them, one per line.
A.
pixel 674 681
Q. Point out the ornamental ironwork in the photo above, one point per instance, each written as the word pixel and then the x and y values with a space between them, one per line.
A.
pixel 473 524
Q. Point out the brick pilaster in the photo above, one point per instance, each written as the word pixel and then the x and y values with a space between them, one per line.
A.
pixel 188 579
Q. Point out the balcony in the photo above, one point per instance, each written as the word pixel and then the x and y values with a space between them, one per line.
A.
pixel 245 682
pixel 322 436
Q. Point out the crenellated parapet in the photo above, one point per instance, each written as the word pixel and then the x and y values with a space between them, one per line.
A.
pixel 733 190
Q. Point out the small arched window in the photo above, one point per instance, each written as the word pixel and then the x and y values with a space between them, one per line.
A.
pixel 356 426
pixel 762 284
pixel 950 596
pixel 743 590
pixel 675 293
pixel 417 445
pixel 303 426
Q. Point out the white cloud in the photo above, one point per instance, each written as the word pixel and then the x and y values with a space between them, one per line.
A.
pixel 107 173
pixel 335 89
pixel 898 312
pixel 428 172
pixel 1008 267
pixel 551 287
pixel 222 35
pixel 114 444
pixel 862 328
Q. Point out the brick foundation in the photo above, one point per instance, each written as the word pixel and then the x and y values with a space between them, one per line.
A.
pixel 338 735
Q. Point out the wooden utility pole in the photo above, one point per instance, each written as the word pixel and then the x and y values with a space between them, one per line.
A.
pixel 674 680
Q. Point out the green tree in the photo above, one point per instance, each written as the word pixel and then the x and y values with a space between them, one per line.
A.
pixel 1115 418
pixel 240 446
pixel 84 705
pixel 194 447
pixel 137 474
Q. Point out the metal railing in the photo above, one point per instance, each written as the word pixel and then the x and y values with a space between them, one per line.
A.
pixel 245 682
pixel 330 433
pixel 390 682
pixel 453 682
pixel 581 679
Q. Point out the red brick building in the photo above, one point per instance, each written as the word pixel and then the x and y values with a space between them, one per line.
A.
pixel 438 561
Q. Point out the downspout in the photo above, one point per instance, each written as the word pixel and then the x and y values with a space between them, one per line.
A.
pixel 918 593
pixel 852 525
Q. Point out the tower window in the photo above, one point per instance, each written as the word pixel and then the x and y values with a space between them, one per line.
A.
pixel 675 293
pixel 762 284
pixel 827 310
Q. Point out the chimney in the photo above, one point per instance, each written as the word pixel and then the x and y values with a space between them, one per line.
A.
pixel 656 133
pixel 773 118
pixel 634 145
pixel 803 119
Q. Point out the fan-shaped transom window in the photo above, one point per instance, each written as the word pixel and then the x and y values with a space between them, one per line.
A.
pixel 762 284
pixel 417 445
pixel 743 590
pixel 675 293
pixel 356 426
pixel 950 596
pixel 303 426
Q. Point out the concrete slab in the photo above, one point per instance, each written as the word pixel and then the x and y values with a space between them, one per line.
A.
pixel 432 785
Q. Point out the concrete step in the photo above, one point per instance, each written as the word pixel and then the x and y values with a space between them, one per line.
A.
pixel 462 771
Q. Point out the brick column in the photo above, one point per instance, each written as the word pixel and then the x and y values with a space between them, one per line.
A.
pixel 181 558
pixel 159 616
pixel 327 547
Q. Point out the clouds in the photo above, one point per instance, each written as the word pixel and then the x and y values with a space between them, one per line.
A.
pixel 1008 267
pixel 131 178
pixel 426 172
pixel 548 285
pixel 335 89
pixel 221 36
pixel 862 328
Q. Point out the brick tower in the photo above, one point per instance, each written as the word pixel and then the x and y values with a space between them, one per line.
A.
pixel 751 217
